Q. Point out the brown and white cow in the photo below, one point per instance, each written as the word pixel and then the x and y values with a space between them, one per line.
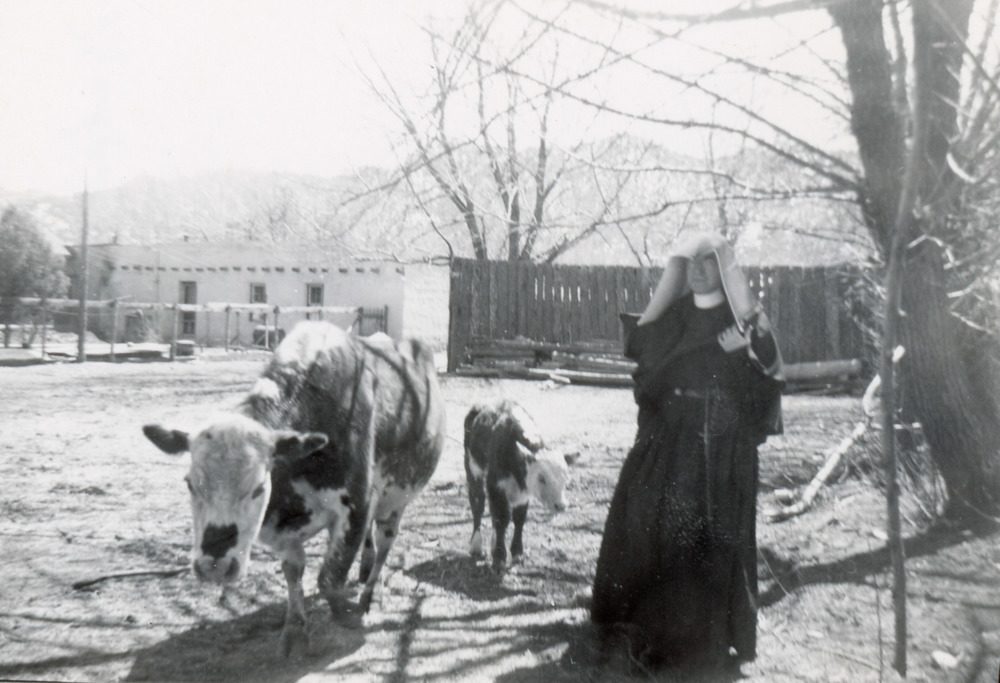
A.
pixel 506 460
pixel 338 434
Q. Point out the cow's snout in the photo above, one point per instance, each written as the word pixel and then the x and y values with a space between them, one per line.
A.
pixel 560 506
pixel 222 570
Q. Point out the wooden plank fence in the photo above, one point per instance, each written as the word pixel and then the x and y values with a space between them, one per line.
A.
pixel 500 300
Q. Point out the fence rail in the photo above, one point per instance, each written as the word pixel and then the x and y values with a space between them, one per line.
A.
pixel 499 300
pixel 119 320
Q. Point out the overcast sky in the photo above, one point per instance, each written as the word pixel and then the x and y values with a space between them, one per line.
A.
pixel 180 87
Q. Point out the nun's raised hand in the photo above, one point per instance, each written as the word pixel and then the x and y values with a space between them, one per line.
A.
pixel 731 339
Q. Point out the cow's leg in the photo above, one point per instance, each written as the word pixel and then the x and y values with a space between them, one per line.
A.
pixel 500 513
pixel 347 534
pixel 387 520
pixel 367 556
pixel 477 501
pixel 294 634
pixel 345 539
pixel 519 513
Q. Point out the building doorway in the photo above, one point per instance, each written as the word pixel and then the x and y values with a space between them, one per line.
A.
pixel 188 295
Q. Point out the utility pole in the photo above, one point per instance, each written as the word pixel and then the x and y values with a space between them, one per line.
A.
pixel 81 343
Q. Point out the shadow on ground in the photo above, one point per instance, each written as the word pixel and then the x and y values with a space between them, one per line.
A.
pixel 246 649
pixel 784 577
pixel 584 660
pixel 465 575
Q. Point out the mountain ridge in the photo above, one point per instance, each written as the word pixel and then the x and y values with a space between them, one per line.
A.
pixel 238 205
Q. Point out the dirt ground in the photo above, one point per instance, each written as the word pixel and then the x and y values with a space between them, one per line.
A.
pixel 85 496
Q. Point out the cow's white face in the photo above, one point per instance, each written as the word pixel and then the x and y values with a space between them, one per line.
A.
pixel 230 485
pixel 548 475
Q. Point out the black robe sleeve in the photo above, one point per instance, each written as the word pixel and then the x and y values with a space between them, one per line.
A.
pixel 652 347
pixel 765 361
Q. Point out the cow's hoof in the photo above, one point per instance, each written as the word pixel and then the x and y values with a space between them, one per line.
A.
pixel 476 553
pixel 294 639
pixel 476 545
pixel 345 613
pixel 517 558
pixel 366 601
pixel 499 567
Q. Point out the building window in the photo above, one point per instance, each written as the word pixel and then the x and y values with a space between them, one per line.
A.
pixel 188 295
pixel 314 295
pixel 258 293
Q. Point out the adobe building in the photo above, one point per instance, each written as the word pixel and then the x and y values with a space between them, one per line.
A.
pixel 244 273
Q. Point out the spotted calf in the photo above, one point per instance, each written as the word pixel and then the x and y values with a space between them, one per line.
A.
pixel 507 462
pixel 338 434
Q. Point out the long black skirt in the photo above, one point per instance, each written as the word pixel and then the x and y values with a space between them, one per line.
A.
pixel 677 571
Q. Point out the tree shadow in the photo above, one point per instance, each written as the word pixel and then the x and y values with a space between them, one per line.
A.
pixel 786 576
pixel 246 649
pixel 465 575
pixel 585 659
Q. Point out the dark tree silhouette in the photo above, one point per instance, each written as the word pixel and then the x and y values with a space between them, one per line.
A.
pixel 28 268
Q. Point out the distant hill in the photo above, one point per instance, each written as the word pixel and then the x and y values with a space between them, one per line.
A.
pixel 244 206
pixel 204 207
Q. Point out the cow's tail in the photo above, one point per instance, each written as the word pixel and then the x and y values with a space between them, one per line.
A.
pixel 470 417
pixel 423 356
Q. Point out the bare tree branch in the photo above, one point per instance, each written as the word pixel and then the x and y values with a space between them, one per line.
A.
pixel 717 96
pixel 800 85
pixel 736 13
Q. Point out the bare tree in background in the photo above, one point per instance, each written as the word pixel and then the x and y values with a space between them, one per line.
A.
pixel 520 195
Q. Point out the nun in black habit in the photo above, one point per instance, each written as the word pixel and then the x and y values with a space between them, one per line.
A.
pixel 676 578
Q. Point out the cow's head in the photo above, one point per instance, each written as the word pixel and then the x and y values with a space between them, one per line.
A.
pixel 230 486
pixel 548 475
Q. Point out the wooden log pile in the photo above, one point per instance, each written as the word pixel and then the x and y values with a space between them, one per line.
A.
pixel 601 363
pixel 596 363
pixel 825 377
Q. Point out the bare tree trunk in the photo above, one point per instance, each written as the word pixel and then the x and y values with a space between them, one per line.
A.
pixel 876 124
pixel 959 415
pixel 476 234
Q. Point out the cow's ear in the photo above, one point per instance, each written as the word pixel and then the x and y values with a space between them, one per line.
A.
pixel 295 445
pixel 572 458
pixel 167 440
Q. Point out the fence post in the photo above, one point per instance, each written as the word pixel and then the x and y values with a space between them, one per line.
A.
pixel 457 322
pixel 114 327
pixel 267 332
pixel 225 341
pixel 173 341
pixel 277 335
pixel 45 316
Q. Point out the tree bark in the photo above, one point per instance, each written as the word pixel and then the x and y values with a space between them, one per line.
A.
pixel 958 414
pixel 953 402
pixel 875 123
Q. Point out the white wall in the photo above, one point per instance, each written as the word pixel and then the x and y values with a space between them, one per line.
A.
pixel 154 276
pixel 425 307
pixel 416 294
